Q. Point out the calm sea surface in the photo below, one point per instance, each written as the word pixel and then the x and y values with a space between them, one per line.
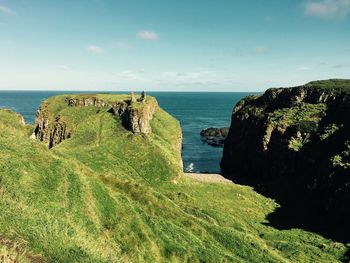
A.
pixel 195 111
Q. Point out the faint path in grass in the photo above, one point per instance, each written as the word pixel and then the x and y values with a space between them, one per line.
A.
pixel 99 134
pixel 208 178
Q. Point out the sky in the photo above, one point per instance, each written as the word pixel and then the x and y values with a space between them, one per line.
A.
pixel 172 45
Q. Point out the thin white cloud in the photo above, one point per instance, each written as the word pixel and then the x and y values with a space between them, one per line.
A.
pixel 132 75
pixel 260 50
pixel 303 68
pixel 122 45
pixel 171 78
pixel 199 77
pixel 148 35
pixel 62 67
pixel 94 49
pixel 338 66
pixel 6 10
pixel 328 9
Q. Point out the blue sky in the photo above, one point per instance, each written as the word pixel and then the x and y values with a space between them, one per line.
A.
pixel 172 45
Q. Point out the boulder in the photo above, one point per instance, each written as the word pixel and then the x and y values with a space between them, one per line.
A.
pixel 214 136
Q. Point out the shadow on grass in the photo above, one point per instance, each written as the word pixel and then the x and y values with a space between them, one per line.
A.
pixel 305 212
pixel 301 210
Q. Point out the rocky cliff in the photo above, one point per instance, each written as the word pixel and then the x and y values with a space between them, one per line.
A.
pixel 294 144
pixel 51 127
pixel 51 130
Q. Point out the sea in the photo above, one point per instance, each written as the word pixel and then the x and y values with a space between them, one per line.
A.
pixel 195 111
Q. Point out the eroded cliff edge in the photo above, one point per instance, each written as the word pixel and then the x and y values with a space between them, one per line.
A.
pixel 294 145
pixel 135 115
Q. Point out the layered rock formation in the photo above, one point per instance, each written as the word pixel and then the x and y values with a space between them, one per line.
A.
pixel 135 116
pixel 294 143
pixel 48 129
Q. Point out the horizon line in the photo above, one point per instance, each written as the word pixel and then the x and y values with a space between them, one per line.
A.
pixel 129 91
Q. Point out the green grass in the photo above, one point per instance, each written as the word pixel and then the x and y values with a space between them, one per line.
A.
pixel 303 115
pixel 342 160
pixel 107 195
pixel 329 130
pixel 336 85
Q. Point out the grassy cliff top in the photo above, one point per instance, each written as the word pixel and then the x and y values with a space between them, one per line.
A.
pixel 107 195
pixel 315 92
pixel 58 103
pixel 330 84
pixel 95 132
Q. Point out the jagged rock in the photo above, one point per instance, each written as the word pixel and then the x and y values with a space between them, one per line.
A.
pixel 119 109
pixel 48 130
pixel 214 136
pixel 138 120
pixel 268 131
pixel 133 97
pixel 136 117
pixel 215 132
pixel 294 143
pixel 86 101
pixel 143 97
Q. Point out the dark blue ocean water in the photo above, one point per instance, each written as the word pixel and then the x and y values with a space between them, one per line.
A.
pixel 195 111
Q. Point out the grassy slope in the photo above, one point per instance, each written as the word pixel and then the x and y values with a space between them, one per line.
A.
pixel 106 195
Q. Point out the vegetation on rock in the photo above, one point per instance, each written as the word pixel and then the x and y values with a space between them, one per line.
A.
pixel 292 144
pixel 54 121
pixel 109 195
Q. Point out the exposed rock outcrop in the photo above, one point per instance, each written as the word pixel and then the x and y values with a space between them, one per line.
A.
pixel 51 131
pixel 138 119
pixel 294 143
pixel 135 116
pixel 142 97
pixel 214 136
pixel 268 132
pixel 86 101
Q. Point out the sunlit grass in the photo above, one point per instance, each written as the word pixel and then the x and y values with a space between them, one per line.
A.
pixel 106 195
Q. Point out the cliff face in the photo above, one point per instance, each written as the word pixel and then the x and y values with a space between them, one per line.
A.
pixel 270 133
pixel 52 128
pixel 137 120
pixel 295 140
pixel 135 115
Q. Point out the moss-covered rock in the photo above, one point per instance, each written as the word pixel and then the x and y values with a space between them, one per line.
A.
pixel 51 127
pixel 108 195
pixel 295 137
